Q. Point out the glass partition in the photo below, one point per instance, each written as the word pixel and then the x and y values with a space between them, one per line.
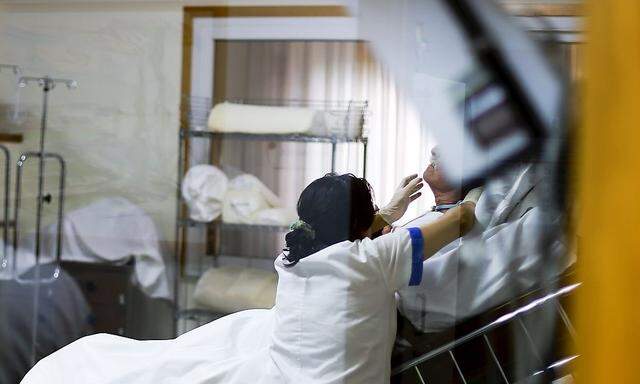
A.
pixel 375 191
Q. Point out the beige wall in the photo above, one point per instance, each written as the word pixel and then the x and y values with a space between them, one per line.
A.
pixel 118 130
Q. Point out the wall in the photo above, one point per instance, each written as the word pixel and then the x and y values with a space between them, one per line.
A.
pixel 118 130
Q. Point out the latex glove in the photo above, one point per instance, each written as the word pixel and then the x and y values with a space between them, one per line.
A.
pixel 406 192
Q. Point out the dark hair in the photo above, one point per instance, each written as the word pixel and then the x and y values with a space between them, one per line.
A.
pixel 335 208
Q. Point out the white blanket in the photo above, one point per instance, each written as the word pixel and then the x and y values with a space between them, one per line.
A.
pixel 233 349
pixel 109 230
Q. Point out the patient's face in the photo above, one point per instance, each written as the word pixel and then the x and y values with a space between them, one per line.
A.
pixel 434 176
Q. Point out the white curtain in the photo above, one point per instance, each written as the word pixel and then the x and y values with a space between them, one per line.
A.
pixel 331 71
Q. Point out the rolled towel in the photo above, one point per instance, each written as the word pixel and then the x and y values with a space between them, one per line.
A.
pixel 232 289
pixel 261 119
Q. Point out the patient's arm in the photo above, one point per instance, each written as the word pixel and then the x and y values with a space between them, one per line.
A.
pixel 454 223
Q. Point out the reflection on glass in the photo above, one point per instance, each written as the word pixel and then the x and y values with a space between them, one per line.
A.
pixel 286 194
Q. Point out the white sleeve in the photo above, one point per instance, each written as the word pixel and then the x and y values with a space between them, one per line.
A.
pixel 479 273
pixel 399 256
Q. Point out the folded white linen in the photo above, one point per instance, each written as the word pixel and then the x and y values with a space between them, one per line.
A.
pixel 232 289
pixel 203 189
pixel 261 119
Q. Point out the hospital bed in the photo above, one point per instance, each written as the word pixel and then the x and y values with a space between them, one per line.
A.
pixel 523 341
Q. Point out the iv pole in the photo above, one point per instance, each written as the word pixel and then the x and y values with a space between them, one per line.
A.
pixel 48 84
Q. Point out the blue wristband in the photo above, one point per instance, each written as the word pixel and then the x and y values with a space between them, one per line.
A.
pixel 417 252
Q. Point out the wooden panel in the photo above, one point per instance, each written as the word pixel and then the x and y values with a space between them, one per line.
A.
pixel 550 9
pixel 11 137
pixel 268 11
pixel 191 13
pixel 608 188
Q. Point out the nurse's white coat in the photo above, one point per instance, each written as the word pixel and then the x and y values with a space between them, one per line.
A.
pixel 334 322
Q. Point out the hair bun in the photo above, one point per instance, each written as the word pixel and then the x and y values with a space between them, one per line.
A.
pixel 300 242
pixel 298 236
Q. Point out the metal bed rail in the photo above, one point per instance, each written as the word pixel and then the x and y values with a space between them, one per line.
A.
pixel 481 333
pixel 4 261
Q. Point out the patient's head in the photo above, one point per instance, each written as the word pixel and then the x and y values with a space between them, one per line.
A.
pixel 331 209
pixel 433 174
pixel 443 192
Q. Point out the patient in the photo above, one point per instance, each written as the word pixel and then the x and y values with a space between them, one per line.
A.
pixel 446 194
pixel 334 320
pixel 501 258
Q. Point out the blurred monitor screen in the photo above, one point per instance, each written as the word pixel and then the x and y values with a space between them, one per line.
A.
pixel 482 115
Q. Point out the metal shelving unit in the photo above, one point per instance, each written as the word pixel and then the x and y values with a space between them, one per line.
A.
pixel 262 227
pixel 194 123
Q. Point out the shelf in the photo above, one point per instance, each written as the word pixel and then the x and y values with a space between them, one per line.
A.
pixel 256 227
pixel 272 137
pixel 7 137
pixel 198 314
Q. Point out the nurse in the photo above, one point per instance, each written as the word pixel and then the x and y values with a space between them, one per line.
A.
pixel 334 320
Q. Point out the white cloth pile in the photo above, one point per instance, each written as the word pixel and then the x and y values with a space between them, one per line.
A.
pixel 110 230
pixel 260 119
pixel 241 200
pixel 203 188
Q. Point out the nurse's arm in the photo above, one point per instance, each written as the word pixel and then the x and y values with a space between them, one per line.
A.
pixel 454 223
pixel 377 225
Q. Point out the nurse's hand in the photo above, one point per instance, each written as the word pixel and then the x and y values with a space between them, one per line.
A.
pixel 406 192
